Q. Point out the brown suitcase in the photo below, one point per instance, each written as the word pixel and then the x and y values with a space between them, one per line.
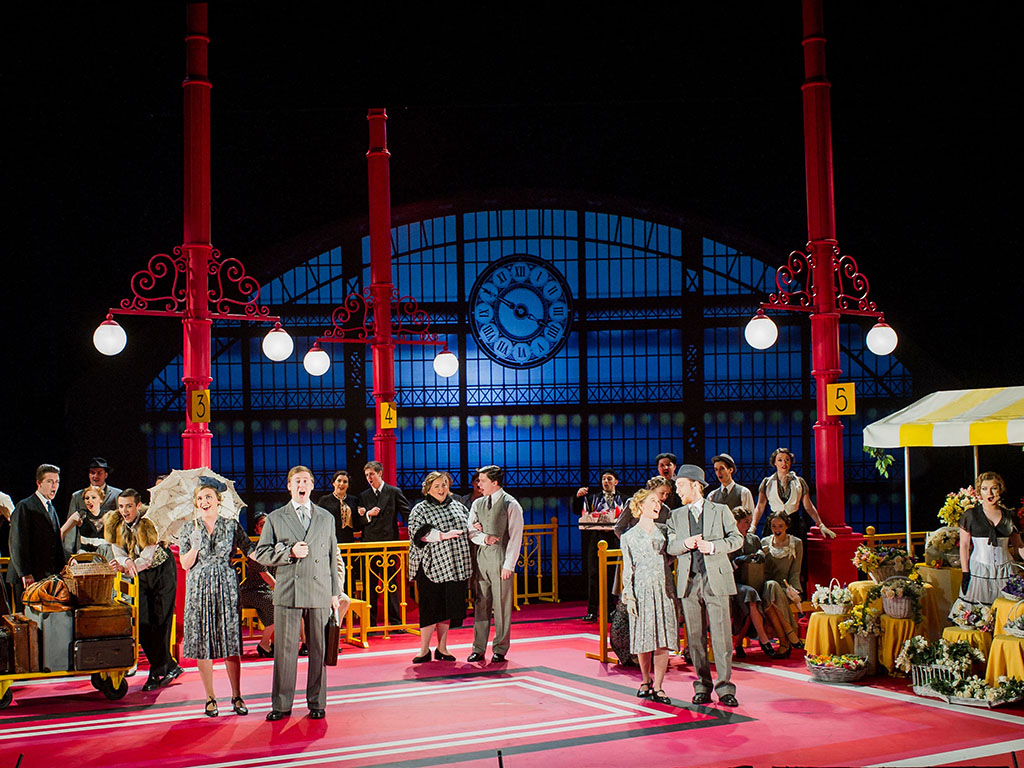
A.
pixel 92 621
pixel 24 643
pixel 104 653
pixel 6 657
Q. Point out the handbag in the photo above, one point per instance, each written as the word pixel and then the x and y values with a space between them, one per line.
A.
pixel 332 638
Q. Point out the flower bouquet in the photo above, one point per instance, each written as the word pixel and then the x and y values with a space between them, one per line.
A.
pixel 1014 588
pixel 975 692
pixel 901 597
pixel 1014 625
pixel 968 615
pixel 933 665
pixel 861 620
pixel 881 562
pixel 833 599
pixel 943 545
pixel 956 504
pixel 836 669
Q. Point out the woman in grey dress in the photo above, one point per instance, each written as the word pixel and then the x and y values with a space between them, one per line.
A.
pixel 783 556
pixel 649 594
pixel 745 605
pixel 212 631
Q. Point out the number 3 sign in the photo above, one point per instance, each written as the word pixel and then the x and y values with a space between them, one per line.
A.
pixel 842 400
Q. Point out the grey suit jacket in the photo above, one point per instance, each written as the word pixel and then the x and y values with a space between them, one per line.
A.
pixel 719 527
pixel 313 580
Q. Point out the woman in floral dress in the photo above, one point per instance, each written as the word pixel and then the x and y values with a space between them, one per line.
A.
pixel 212 631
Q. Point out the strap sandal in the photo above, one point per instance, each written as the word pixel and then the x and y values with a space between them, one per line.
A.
pixel 211 707
pixel 660 697
pixel 644 691
pixel 239 706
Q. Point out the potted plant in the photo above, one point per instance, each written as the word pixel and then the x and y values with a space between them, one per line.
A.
pixel 880 562
pixel 834 598
pixel 864 624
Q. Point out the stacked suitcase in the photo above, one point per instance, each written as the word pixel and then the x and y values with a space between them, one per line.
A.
pixel 103 637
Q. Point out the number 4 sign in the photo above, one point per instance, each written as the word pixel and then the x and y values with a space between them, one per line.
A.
pixel 842 400
pixel 387 416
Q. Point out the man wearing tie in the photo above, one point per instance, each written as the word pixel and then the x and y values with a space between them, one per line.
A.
pixel 497 521
pixel 379 508
pixel 298 539
pixel 36 547
pixel 702 534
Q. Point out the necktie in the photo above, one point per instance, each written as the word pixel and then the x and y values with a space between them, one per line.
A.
pixel 304 516
pixel 488 502
pixel 53 516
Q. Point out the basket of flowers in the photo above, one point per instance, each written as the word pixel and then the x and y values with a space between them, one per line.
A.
pixel 1014 625
pixel 1014 588
pixel 881 562
pixel 956 504
pixel 943 545
pixel 967 615
pixel 935 666
pixel 973 691
pixel 836 669
pixel 864 624
pixel 901 597
pixel 833 599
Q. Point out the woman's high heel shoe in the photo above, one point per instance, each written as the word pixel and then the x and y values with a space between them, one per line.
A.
pixel 263 653
pixel 442 656
pixel 239 706
pixel 211 707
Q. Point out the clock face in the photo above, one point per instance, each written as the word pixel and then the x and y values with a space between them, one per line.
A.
pixel 521 311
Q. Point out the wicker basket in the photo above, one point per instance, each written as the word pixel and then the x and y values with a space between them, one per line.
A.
pixel 90 583
pixel 883 572
pixel 835 674
pixel 1014 613
pixel 898 607
pixel 834 609
pixel 923 675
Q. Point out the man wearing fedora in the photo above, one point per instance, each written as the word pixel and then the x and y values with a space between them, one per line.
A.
pixel 702 534
pixel 98 471
pixel 730 493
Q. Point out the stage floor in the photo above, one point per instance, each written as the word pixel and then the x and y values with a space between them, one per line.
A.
pixel 548 706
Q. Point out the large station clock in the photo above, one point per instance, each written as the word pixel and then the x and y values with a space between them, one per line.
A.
pixel 520 311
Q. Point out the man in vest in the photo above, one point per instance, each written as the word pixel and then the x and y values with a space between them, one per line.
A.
pixel 497 520
pixel 730 493
pixel 599 512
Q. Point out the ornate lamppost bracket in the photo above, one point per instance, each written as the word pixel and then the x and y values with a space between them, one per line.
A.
pixel 352 321
pixel 797 292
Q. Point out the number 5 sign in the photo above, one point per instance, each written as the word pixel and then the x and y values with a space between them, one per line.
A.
pixel 842 400
pixel 387 416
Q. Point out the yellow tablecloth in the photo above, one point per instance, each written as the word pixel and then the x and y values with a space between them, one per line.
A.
pixel 895 632
pixel 859 591
pixel 1002 607
pixel 823 635
pixel 947 589
pixel 1005 658
pixel 974 637
pixel 934 619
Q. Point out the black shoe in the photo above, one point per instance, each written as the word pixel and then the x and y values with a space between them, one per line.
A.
pixel 421 659
pixel 644 691
pixel 239 706
pixel 770 651
pixel 171 676
pixel 152 683
pixel 474 657
pixel 728 700
pixel 442 656
pixel 277 714
pixel 701 698
pixel 263 653
pixel 660 697
pixel 317 714
pixel 740 653
pixel 799 644
pixel 498 658
pixel 590 617
pixel 303 650
pixel 211 707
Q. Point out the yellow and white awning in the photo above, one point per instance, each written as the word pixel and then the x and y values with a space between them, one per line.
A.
pixel 957 417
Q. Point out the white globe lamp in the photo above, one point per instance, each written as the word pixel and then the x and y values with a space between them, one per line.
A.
pixel 109 338
pixel 316 362
pixel 882 339
pixel 278 345
pixel 761 332
pixel 446 364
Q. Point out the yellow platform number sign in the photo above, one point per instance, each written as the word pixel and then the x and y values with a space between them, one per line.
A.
pixel 387 416
pixel 199 406
pixel 842 399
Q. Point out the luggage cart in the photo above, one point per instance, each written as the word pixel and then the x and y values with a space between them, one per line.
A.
pixel 111 682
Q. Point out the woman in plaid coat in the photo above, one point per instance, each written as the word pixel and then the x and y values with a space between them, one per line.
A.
pixel 439 561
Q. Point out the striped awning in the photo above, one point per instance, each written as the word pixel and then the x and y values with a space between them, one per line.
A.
pixel 957 417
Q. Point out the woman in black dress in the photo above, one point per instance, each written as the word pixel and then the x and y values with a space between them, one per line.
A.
pixel 84 532
pixel 342 508
pixel 257 591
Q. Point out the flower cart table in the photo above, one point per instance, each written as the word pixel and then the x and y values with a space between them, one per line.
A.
pixel 976 638
pixel 1002 607
pixel 823 638
pixel 947 589
pixel 895 632
pixel 1005 657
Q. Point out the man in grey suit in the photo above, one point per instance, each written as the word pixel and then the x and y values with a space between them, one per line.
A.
pixel 298 539
pixel 702 534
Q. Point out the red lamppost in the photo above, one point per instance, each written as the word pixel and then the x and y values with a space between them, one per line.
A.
pixel 827 285
pixel 379 316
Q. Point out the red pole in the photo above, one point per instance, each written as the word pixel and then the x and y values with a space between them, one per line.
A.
pixel 826 558
pixel 196 440
pixel 384 448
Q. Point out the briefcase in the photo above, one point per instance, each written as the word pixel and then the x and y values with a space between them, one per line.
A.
pixel 6 658
pixel 104 653
pixel 55 630
pixel 24 643
pixel 93 621
pixel 332 637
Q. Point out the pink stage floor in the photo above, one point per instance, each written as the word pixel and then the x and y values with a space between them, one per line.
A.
pixel 548 706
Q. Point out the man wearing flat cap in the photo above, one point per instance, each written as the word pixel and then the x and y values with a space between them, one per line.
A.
pixel 730 493
pixel 702 534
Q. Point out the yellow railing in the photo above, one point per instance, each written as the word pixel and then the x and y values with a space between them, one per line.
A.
pixel 538 541
pixel 897 539
pixel 605 558
pixel 379 569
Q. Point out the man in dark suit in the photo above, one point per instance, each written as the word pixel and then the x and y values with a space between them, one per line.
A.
pixel 98 471
pixel 298 540
pixel 36 547
pixel 702 534
pixel 380 506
